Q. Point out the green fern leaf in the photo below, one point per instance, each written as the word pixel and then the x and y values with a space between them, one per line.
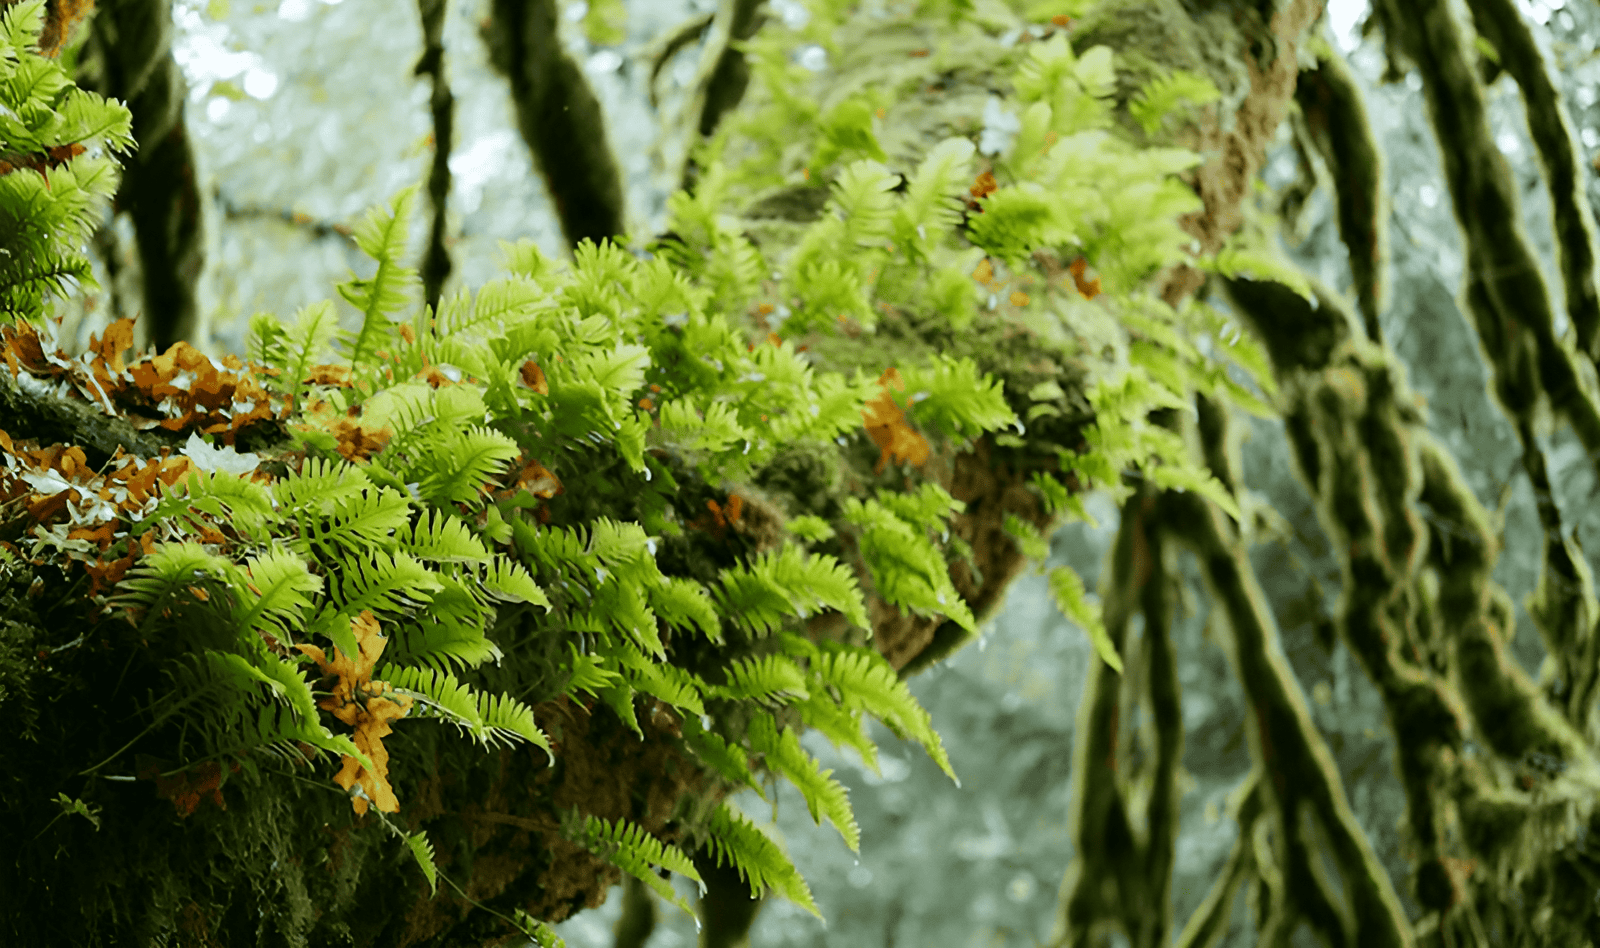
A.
pixel 736 841
pixel 824 795
pixel 627 846
pixel 726 759
pixel 422 851
pixel 1067 590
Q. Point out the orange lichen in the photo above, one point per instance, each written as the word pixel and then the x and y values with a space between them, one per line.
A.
pixel 886 425
pixel 366 705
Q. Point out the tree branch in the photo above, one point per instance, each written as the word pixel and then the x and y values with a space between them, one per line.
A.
pixel 559 118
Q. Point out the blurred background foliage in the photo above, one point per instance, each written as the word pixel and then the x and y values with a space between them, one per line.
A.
pixel 306 112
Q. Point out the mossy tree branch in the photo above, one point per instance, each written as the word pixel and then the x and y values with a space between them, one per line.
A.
pixel 1335 119
pixel 1109 792
pixel 722 78
pixel 1556 145
pixel 1419 609
pixel 559 118
pixel 1306 808
pixel 130 58
pixel 436 259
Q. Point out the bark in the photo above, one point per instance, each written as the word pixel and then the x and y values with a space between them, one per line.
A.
pixel 436 259
pixel 559 117
pixel 129 57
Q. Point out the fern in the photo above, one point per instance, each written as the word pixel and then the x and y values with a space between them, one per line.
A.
pixel 1067 591
pixel 356 522
pixel 278 594
pixel 735 841
pixel 438 537
pixel 1160 97
pixel 863 197
pixel 840 725
pixel 824 795
pixel 769 679
pixel 422 851
pixel 943 398
pixel 726 759
pixel 489 718
pixel 461 463
pixel 932 204
pixel 759 596
pixel 48 210
pixel 905 566
pixel 681 601
pixel 244 505
pixel 449 635
pixel 318 486
pixel 866 680
pixel 589 674
pixel 631 849
pixel 673 685
pixel 382 237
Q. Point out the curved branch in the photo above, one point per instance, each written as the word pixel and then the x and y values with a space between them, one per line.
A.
pixel 436 262
pixel 132 41
pixel 559 118
pixel 722 78
pixel 1551 128
pixel 1337 123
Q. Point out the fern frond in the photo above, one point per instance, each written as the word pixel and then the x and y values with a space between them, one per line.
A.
pixel 680 601
pixel 1066 588
pixel 737 842
pixel 933 204
pixel 619 698
pixel 422 851
pixel 358 522
pixel 725 758
pixel 439 537
pixel 769 679
pixel 950 396
pixel 824 795
pixel 319 486
pixel 864 196
pixel 383 238
pixel 382 582
pixel 905 565
pixel 676 686
pixel 499 304
pixel 839 725
pixel 1160 97
pixel 627 846
pixel 589 673
pixel 160 574
pixel 463 462
pixel 439 694
pixel 506 579
pixel 865 680
pixel 449 634
pixel 228 498
pixel 506 718
pixel 277 594
pixel 775 584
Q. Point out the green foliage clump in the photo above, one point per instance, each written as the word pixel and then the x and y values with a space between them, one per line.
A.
pixel 429 442
pixel 52 184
